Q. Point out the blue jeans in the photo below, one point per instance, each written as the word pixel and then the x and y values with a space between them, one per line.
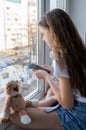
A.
pixel 74 119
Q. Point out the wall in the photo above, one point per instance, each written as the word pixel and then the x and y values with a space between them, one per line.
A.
pixel 77 11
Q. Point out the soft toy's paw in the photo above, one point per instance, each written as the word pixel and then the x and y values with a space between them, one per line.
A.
pixel 25 119
pixel 4 120
pixel 28 103
pixel 35 102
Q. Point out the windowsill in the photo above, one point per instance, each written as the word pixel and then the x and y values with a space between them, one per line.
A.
pixel 10 126
pixel 4 126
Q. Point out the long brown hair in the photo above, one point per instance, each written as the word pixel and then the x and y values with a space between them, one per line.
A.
pixel 72 47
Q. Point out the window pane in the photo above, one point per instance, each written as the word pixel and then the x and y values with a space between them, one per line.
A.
pixel 18 44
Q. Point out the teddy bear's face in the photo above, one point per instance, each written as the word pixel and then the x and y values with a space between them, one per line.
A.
pixel 12 88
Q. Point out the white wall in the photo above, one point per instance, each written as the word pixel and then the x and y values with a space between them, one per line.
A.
pixel 77 11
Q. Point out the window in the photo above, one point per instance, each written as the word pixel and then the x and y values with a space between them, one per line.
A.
pixel 20 45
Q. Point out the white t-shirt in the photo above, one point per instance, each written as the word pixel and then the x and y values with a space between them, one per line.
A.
pixel 58 72
pixel 63 73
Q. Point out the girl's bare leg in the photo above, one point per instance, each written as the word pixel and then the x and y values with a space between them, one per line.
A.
pixel 49 93
pixel 48 101
pixel 40 119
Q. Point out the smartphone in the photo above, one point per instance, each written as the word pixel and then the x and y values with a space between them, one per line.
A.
pixel 37 67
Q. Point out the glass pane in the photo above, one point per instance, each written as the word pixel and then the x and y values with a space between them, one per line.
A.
pixel 18 44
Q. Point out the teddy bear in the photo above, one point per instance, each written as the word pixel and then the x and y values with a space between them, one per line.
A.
pixel 15 102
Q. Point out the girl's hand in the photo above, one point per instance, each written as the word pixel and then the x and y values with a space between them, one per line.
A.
pixel 49 68
pixel 40 74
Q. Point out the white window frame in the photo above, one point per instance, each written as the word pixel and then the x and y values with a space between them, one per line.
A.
pixel 45 6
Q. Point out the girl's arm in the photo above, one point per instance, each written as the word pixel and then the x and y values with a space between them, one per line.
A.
pixel 63 93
